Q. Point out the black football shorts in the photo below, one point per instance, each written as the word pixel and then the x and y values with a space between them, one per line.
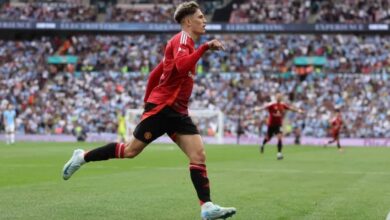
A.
pixel 273 130
pixel 165 121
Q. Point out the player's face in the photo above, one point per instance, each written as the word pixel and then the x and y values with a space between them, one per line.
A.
pixel 198 23
pixel 279 97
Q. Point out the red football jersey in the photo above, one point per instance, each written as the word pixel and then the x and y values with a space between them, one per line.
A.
pixel 337 122
pixel 276 113
pixel 175 75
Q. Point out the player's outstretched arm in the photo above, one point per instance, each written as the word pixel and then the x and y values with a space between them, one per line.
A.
pixel 185 61
pixel 257 109
pixel 216 45
pixel 298 110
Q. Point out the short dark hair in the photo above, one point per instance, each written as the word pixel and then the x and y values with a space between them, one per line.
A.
pixel 185 9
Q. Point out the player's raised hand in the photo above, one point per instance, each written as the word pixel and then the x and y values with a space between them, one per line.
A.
pixel 215 45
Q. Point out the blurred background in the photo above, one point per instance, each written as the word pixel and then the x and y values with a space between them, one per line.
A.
pixel 71 67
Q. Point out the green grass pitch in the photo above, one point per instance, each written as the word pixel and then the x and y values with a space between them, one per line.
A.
pixel 310 183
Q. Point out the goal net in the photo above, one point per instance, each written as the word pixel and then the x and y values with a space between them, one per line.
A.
pixel 209 122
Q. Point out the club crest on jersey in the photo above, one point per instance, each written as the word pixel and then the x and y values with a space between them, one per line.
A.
pixel 191 75
pixel 147 135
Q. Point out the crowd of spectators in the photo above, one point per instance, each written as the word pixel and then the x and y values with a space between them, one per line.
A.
pixel 244 53
pixel 311 11
pixel 156 11
pixel 111 74
pixel 48 12
pixel 276 53
pixel 154 14
pixel 249 11
pixel 364 102
pixel 159 11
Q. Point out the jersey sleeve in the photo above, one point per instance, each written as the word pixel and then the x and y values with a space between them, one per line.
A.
pixel 154 79
pixel 340 121
pixel 286 106
pixel 184 61
pixel 268 106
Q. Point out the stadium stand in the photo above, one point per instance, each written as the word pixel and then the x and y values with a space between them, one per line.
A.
pixel 109 11
pixel 249 11
pixel 308 11
pixel 39 11
pixel 112 70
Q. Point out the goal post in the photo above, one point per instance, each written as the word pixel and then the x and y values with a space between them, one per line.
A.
pixel 209 122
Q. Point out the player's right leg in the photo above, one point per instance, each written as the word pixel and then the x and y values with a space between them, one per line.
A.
pixel 7 134
pixel 146 131
pixel 108 151
pixel 338 144
pixel 12 134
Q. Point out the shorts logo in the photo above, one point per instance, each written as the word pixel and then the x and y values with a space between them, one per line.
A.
pixel 147 135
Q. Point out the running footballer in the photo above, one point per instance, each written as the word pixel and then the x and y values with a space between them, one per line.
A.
pixel 166 109
pixel 276 112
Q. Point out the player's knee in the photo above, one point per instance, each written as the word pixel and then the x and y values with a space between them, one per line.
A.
pixel 130 153
pixel 198 157
pixel 133 148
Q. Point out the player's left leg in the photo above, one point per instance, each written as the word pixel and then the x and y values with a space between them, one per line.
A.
pixel 7 138
pixel 338 144
pixel 265 140
pixel 12 134
pixel 192 146
pixel 270 133
pixel 12 137
pixel 280 146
